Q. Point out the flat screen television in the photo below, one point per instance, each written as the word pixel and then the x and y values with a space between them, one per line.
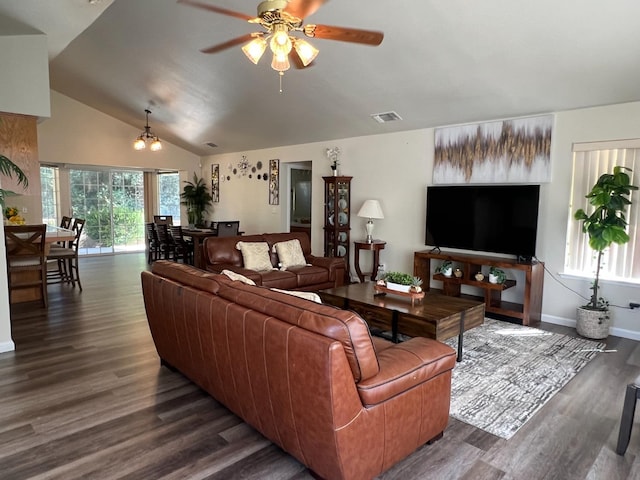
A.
pixel 498 219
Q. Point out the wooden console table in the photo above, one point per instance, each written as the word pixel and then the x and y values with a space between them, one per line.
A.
pixel 528 311
pixel 374 246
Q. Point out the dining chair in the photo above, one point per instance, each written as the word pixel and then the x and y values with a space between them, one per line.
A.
pixel 228 229
pixel 152 242
pixel 163 220
pixel 166 244
pixel 183 248
pixel 26 261
pixel 67 259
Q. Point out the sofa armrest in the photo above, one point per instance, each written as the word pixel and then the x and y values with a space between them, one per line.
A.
pixel 335 265
pixel 404 366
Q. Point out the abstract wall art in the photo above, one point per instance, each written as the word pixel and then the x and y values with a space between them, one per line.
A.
pixel 215 182
pixel 274 182
pixel 506 151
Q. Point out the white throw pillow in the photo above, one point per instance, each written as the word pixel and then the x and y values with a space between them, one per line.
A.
pixel 290 254
pixel 255 255
pixel 237 277
pixel 314 297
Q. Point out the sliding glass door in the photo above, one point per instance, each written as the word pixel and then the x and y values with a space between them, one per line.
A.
pixel 112 203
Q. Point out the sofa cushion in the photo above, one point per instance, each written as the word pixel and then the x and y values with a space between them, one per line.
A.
pixel 310 275
pixel 278 279
pixel 186 275
pixel 255 255
pixel 343 326
pixel 290 254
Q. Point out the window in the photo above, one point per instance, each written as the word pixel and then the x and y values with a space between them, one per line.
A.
pixel 112 204
pixel 169 195
pixel 49 185
pixel 590 160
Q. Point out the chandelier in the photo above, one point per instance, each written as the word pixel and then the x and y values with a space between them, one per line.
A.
pixel 147 136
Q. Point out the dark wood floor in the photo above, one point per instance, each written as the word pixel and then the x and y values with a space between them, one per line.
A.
pixel 84 396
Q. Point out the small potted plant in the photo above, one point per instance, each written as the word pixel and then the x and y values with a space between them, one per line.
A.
pixel 446 268
pixel 399 281
pixel 605 225
pixel 497 275
pixel 416 285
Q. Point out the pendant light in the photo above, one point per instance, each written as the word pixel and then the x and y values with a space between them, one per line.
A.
pixel 147 136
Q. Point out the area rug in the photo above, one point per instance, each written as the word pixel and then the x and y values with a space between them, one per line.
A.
pixel 508 372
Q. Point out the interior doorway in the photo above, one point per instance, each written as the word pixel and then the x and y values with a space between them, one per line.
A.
pixel 300 197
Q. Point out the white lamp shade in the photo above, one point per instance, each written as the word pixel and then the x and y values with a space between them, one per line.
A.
pixel 371 209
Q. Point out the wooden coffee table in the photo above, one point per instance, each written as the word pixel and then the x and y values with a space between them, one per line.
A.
pixel 436 316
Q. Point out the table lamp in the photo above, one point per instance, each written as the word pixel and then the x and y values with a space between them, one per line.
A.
pixel 370 209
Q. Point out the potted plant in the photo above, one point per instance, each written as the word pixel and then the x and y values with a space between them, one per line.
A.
pixel 399 281
pixel 8 168
pixel 605 225
pixel 497 275
pixel 196 198
pixel 446 268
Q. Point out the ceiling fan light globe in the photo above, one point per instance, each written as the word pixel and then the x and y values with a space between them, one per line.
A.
pixel 280 41
pixel 139 144
pixel 305 51
pixel 254 49
pixel 155 145
pixel 280 63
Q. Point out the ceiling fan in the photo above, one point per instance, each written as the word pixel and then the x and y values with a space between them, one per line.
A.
pixel 280 18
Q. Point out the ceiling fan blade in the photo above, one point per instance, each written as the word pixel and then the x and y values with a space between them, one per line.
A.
pixel 211 8
pixel 228 44
pixel 303 8
pixel 367 37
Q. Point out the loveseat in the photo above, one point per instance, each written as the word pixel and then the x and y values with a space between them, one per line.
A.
pixel 308 376
pixel 311 273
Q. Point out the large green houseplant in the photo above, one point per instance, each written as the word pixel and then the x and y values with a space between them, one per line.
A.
pixel 606 224
pixel 196 198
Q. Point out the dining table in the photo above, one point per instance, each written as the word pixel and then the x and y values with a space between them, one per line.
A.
pixel 198 235
pixel 54 235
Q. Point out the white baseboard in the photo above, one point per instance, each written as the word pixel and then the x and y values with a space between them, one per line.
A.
pixel 571 322
pixel 7 346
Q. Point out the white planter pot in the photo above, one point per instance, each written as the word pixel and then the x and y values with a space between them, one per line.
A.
pixel 448 272
pixel 593 323
pixel 493 278
pixel 397 287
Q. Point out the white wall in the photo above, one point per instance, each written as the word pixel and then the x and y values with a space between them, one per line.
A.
pixel 397 167
pixel 25 70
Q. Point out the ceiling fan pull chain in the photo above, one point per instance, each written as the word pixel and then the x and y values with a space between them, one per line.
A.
pixel 280 75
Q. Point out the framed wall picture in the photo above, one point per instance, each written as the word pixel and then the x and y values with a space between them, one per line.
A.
pixel 274 182
pixel 506 151
pixel 215 182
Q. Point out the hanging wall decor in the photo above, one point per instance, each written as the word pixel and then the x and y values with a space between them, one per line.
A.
pixel 507 151
pixel 244 169
pixel 274 182
pixel 215 182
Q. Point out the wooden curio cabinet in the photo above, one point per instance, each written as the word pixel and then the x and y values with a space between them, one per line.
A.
pixel 337 217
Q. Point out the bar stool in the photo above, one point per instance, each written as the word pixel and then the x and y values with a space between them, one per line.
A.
pixel 628 412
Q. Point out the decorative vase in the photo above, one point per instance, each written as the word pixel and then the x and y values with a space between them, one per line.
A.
pixel 457 273
pixel 592 323
pixel 479 276
pixel 398 287
pixel 335 172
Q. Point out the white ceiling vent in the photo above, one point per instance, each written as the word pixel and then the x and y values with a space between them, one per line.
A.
pixel 386 117
pixel 211 144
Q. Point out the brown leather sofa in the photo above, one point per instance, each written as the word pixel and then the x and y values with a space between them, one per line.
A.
pixel 308 376
pixel 322 272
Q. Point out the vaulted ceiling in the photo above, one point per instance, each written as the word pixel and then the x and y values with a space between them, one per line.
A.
pixel 441 62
